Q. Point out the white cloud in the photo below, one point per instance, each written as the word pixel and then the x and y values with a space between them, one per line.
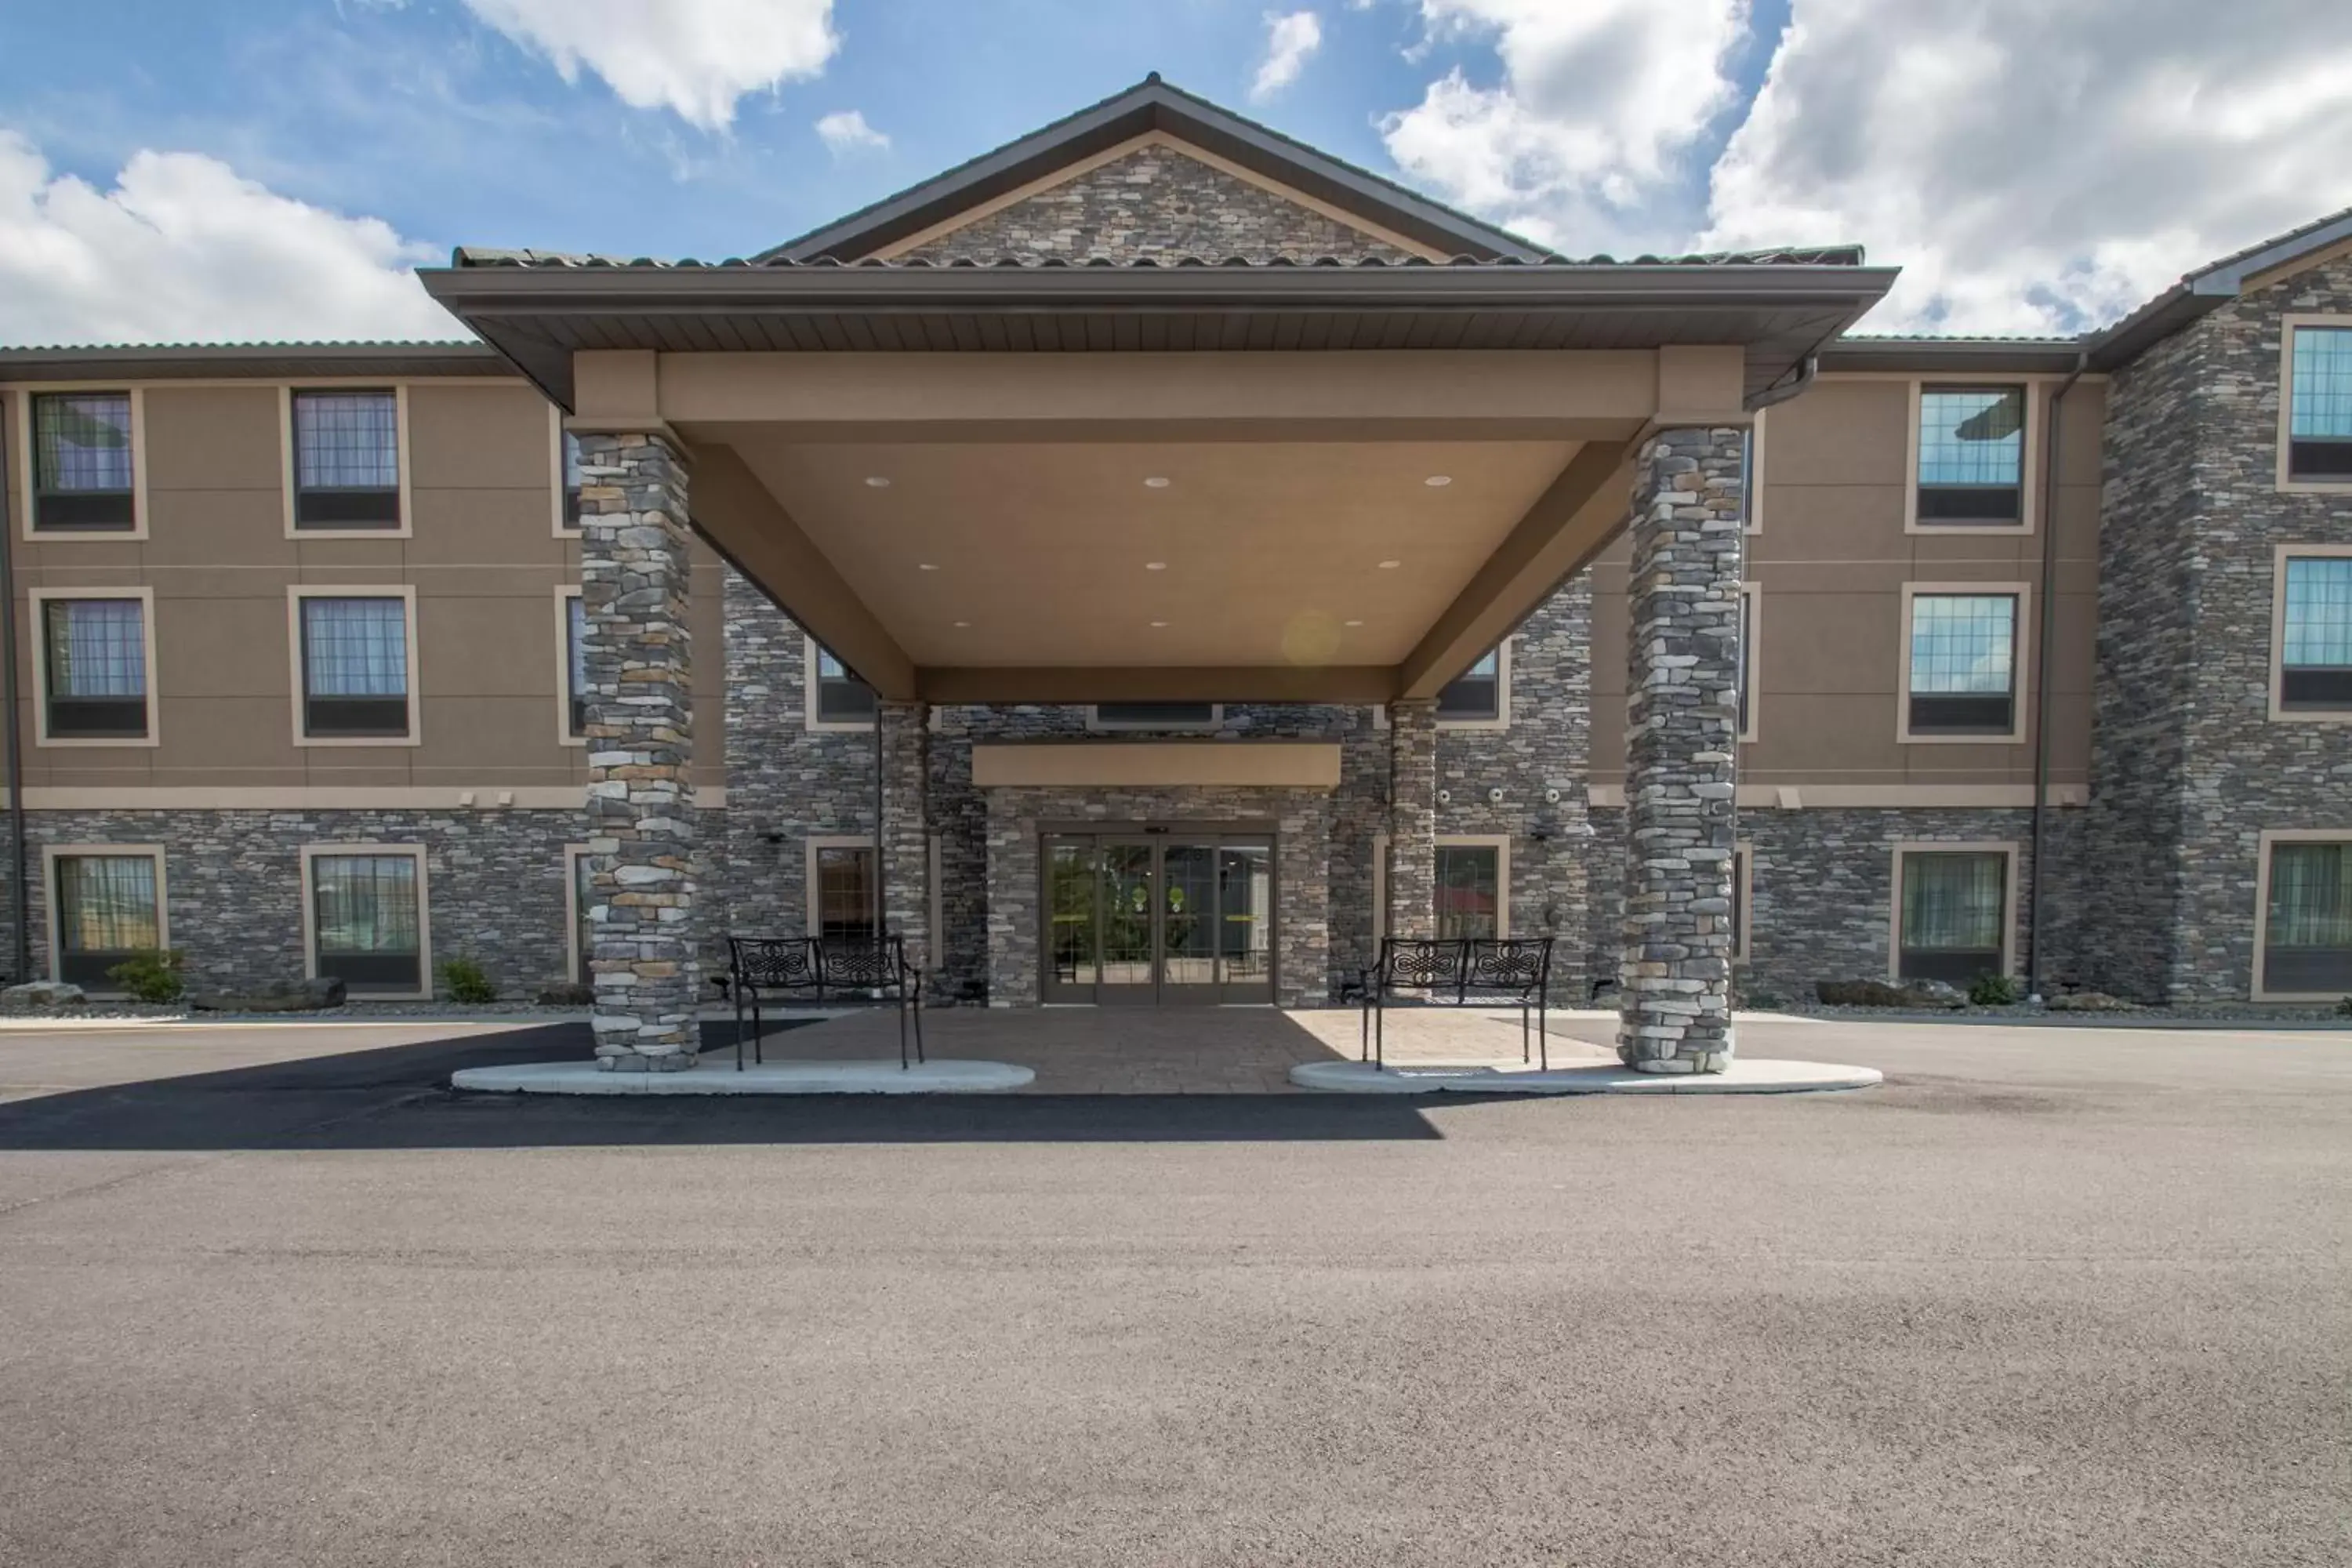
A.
pixel 695 58
pixel 2036 167
pixel 183 249
pixel 1581 139
pixel 1288 41
pixel 846 132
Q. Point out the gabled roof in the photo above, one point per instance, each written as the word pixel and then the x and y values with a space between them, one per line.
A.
pixel 2209 288
pixel 1153 105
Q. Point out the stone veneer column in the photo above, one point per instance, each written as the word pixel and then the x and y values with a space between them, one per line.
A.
pixel 906 850
pixel 1681 730
pixel 1412 819
pixel 635 576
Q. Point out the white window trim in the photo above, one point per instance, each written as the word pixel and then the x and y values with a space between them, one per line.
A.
pixel 423 915
pixel 400 436
pixel 1751 661
pixel 2289 326
pixel 1743 873
pixel 27 482
pixel 1501 844
pixel 1095 722
pixel 2281 555
pixel 812 921
pixel 406 593
pixel 2029 502
pixel 817 726
pixel 1904 846
pixel 1501 718
pixel 1754 523
pixel 52 853
pixel 564 593
pixel 572 913
pixel 2269 837
pixel 37 598
pixel 2020 673
pixel 555 459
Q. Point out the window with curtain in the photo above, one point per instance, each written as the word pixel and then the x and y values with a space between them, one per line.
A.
pixel 1469 891
pixel 81 461
pixel 2315 643
pixel 346 460
pixel 1963 664
pixel 1954 903
pixel 1147 715
pixel 576 662
pixel 95 656
pixel 105 910
pixel 2319 404
pixel 364 920
pixel 1476 693
pixel 841 697
pixel 570 444
pixel 355 666
pixel 2308 935
pixel 845 893
pixel 1971 455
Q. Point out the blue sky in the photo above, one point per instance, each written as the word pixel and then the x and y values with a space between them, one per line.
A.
pixel 2032 170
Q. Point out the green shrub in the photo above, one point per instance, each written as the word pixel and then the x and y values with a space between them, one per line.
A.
pixel 1992 991
pixel 2344 1008
pixel 467 980
pixel 152 974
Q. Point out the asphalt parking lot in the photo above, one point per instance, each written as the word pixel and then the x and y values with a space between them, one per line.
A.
pixel 270 1296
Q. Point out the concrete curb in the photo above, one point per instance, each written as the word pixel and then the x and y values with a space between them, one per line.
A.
pixel 1747 1076
pixel 768 1077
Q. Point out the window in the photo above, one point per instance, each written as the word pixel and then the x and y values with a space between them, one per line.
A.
pixel 841 890
pixel 1743 877
pixel 2306 938
pixel 1972 454
pixel 367 918
pixel 107 904
pixel 2319 403
pixel 346 460
pixel 1952 913
pixel 1157 715
pixel 836 699
pixel 1476 695
pixel 354 663
pixel 83 462
pixel 1960 671
pixel 1749 594
pixel 94 669
pixel 567 500
pixel 575 663
pixel 1472 882
pixel 2314 646
pixel 579 900
pixel 1752 476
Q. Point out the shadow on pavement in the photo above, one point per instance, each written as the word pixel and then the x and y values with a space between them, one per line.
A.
pixel 398 1097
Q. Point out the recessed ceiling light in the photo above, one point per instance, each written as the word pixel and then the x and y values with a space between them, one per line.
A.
pixel 1351 623
pixel 1155 566
pixel 1391 565
pixel 1159 622
pixel 1438 481
pixel 877 482
pixel 961 625
pixel 925 566
pixel 1156 482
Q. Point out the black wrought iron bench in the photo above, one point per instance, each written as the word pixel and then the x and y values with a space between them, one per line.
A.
pixel 1488 971
pixel 822 970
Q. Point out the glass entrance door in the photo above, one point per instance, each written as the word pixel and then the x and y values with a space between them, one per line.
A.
pixel 1159 920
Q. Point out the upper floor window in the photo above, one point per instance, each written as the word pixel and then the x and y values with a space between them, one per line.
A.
pixel 346 460
pixel 836 697
pixel 1971 444
pixel 2316 635
pixel 1751 476
pixel 94 669
pixel 355 666
pixel 569 451
pixel 1478 693
pixel 575 666
pixel 1746 660
pixel 2319 404
pixel 83 462
pixel 1962 665
pixel 1157 715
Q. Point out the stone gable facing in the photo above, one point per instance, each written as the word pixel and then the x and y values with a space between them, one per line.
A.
pixel 1155 202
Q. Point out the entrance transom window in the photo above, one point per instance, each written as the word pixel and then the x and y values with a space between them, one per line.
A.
pixel 1158 918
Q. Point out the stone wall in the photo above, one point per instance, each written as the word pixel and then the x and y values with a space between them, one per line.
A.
pixel 1155 202
pixel 2188 769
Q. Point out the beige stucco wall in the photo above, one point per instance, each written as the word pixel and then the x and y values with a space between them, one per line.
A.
pixel 1831 562
pixel 482 555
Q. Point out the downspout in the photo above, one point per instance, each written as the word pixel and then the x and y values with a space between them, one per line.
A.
pixel 2047 629
pixel 19 895
pixel 1795 381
